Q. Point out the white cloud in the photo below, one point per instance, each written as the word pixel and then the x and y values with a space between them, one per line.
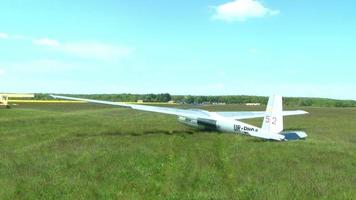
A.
pixel 4 35
pixel 241 10
pixel 9 36
pixel 46 42
pixel 88 50
pixel 2 72
pixel 91 50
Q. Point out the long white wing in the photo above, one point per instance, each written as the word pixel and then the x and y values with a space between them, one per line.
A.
pixel 256 114
pixel 192 113
pixel 171 111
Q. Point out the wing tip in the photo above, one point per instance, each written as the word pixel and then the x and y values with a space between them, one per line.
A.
pixel 304 112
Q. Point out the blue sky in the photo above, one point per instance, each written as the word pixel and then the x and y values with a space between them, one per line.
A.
pixel 205 47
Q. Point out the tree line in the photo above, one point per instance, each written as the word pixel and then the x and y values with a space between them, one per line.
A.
pixel 228 99
pixel 164 97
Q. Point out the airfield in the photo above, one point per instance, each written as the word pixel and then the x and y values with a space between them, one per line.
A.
pixel 84 151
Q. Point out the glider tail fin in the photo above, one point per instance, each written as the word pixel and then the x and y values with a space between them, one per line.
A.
pixel 273 120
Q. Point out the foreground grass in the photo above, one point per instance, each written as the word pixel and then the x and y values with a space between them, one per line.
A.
pixel 82 151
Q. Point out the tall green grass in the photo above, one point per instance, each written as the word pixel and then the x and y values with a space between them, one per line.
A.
pixel 83 151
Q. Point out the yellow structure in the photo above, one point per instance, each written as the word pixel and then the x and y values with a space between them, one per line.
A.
pixel 4 97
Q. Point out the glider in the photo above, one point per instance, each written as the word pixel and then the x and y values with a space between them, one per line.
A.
pixel 272 126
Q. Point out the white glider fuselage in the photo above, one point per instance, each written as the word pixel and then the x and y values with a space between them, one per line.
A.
pixel 223 124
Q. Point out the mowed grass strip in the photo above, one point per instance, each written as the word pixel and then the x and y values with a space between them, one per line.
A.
pixel 81 151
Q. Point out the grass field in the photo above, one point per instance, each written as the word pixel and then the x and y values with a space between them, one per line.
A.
pixel 84 151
